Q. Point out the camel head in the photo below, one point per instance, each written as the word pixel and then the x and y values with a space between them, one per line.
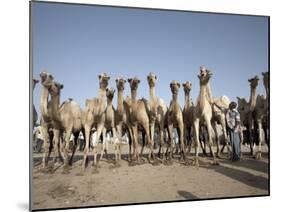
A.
pixel 120 83
pixel 242 105
pixel 187 86
pixel 254 81
pixel 46 79
pixel 55 88
pixel 34 82
pixel 175 85
pixel 265 78
pixel 205 75
pixel 110 93
pixel 103 80
pixel 134 82
pixel 151 79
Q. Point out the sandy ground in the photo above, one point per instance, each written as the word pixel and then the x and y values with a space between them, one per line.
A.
pixel 121 184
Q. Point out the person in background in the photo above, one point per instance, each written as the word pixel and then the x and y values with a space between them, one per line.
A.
pixel 233 124
pixel 38 139
pixel 81 141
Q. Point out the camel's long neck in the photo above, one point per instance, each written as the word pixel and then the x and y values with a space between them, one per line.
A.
pixel 55 104
pixel 102 93
pixel 187 99
pixel 203 96
pixel 134 95
pixel 175 97
pixel 253 98
pixel 267 91
pixel 120 101
pixel 44 102
pixel 152 93
pixel 109 102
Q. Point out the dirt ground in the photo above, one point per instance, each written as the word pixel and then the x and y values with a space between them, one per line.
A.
pixel 122 183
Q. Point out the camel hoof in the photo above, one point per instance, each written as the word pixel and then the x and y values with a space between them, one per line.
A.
pixel 168 162
pixel 258 156
pixel 195 162
pixel 215 163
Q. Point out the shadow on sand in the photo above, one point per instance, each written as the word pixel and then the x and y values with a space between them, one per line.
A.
pixel 187 195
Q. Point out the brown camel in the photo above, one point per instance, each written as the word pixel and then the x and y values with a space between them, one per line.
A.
pixel 139 117
pixel 188 114
pixel 158 111
pixel 246 110
pixel 67 118
pixel 45 120
pixel 261 116
pixel 220 107
pixel 110 124
pixel 35 114
pixel 203 112
pixel 94 116
pixel 175 120
pixel 122 114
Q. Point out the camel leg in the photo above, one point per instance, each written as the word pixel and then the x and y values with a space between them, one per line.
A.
pixel 116 144
pixel 260 140
pixel 170 144
pixel 104 141
pixel 100 128
pixel 143 143
pixel 215 127
pixel 150 142
pixel 210 138
pixel 135 142
pixel 87 144
pixel 251 137
pixel 46 145
pixel 76 135
pixel 66 149
pixel 161 143
pixel 56 140
pixel 181 141
pixel 196 138
pixel 131 141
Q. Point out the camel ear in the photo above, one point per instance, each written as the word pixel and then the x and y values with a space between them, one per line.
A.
pixel 156 77
pixel 106 89
pixel 198 76
pixel 249 80
pixel 138 81
pixel 238 98
pixel 51 76
pixel 61 86
pixel 130 80
pixel 179 85
pixel 182 84
pixel 125 80
pixel 99 76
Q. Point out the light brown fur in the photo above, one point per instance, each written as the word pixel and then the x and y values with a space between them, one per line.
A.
pixel 94 116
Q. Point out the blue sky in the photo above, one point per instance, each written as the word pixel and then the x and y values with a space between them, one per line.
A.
pixel 77 42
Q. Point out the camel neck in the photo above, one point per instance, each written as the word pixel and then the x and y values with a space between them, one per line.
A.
pixel 109 102
pixel 152 92
pixel 253 98
pixel 175 97
pixel 102 93
pixel 44 102
pixel 204 96
pixel 120 101
pixel 187 99
pixel 134 95
pixel 54 104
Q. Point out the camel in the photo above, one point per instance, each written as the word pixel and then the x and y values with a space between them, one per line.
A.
pixel 109 124
pixel 246 110
pixel 139 117
pixel 45 120
pixel 122 114
pixel 67 118
pixel 35 114
pixel 175 120
pixel 94 116
pixel 261 115
pixel 188 114
pixel 158 110
pixel 203 112
pixel 220 107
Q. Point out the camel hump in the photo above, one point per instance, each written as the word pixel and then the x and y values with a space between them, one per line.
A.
pixel 222 102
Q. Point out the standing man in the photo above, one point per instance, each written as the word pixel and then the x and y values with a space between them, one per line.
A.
pixel 233 123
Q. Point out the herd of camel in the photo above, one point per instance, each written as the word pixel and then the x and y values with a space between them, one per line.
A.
pixel 134 116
